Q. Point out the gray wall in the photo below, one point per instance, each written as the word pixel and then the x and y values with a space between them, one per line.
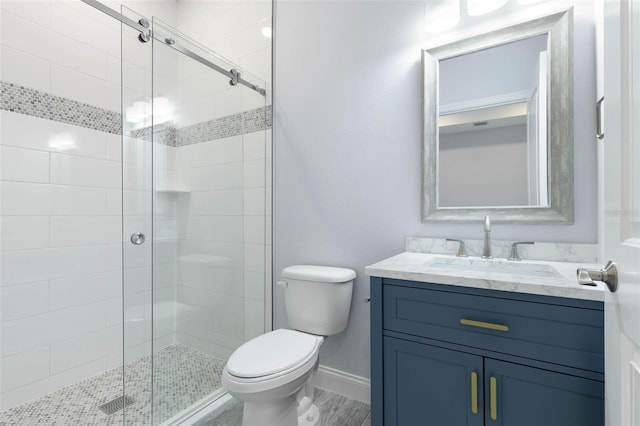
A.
pixel 347 147
pixel 486 167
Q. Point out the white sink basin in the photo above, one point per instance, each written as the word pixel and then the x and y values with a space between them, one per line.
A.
pixel 494 266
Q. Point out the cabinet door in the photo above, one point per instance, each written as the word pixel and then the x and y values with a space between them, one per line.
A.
pixel 525 396
pixel 425 385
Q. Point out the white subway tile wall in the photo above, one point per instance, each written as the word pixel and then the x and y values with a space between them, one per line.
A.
pixel 214 229
pixel 57 282
pixel 61 188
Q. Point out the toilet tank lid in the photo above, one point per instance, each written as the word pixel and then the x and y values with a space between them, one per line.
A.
pixel 329 274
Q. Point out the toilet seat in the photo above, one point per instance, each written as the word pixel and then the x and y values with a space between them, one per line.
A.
pixel 273 353
pixel 266 362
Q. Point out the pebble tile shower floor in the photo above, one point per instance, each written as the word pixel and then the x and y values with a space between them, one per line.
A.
pixel 182 376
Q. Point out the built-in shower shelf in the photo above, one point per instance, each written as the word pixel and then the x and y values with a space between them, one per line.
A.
pixel 206 259
pixel 171 190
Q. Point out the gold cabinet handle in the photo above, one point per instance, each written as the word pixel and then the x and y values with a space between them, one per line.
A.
pixel 474 392
pixel 482 324
pixel 494 398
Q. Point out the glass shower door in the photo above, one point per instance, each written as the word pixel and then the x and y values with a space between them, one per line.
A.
pixel 199 177
pixel 137 238
pixel 194 149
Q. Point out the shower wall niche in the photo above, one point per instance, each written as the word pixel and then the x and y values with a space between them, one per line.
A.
pixel 79 301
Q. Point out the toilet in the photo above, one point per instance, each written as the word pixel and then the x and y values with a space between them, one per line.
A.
pixel 273 374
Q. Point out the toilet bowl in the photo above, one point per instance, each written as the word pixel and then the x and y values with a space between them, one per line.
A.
pixel 273 374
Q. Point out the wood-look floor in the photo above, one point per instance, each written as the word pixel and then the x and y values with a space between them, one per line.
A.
pixel 335 410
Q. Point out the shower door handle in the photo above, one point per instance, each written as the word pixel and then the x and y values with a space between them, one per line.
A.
pixel 137 238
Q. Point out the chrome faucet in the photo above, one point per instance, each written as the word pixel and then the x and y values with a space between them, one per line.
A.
pixel 486 249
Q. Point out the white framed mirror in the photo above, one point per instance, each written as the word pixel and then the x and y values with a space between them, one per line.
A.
pixel 498 125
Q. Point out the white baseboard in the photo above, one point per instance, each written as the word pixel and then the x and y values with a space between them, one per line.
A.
pixel 345 384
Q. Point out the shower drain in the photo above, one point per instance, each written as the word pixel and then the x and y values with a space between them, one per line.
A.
pixel 117 404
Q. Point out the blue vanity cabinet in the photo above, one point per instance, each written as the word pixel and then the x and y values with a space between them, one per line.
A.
pixel 527 396
pixel 438 386
pixel 448 355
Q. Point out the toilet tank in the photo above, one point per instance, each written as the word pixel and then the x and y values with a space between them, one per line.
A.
pixel 318 298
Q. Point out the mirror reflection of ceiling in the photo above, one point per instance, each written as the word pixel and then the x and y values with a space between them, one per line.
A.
pixel 509 68
pixel 487 118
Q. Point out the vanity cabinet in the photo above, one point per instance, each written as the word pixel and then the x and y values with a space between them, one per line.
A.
pixel 449 355
pixel 430 384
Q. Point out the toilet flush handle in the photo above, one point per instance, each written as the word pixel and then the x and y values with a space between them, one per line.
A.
pixel 282 284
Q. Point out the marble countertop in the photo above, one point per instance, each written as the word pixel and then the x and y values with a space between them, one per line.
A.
pixel 503 275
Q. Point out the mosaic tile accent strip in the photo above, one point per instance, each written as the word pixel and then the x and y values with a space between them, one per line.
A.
pixel 182 376
pixel 256 119
pixel 142 134
pixel 23 100
pixel 163 134
pixel 32 102
pixel 225 127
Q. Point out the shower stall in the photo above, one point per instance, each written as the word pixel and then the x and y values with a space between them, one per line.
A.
pixel 135 208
